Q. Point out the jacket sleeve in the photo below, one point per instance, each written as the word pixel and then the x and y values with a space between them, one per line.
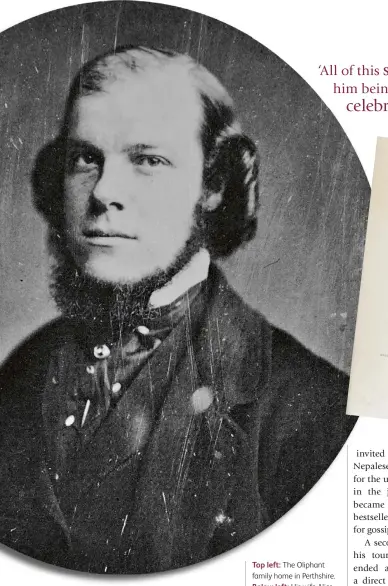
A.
pixel 305 426
pixel 25 500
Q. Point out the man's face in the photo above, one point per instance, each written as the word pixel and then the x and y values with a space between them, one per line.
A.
pixel 133 176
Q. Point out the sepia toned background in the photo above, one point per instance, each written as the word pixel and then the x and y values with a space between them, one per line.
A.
pixel 302 270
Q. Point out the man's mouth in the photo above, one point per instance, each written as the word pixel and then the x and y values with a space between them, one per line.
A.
pixel 97 237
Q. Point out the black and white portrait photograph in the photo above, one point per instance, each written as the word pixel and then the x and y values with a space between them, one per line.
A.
pixel 182 225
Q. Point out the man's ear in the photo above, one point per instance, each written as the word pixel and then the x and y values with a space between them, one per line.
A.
pixel 47 182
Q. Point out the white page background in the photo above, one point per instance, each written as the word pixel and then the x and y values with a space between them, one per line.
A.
pixel 305 34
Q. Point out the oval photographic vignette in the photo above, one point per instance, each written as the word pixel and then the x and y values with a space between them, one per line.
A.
pixel 301 271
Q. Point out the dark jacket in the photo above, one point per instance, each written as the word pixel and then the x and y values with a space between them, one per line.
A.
pixel 209 479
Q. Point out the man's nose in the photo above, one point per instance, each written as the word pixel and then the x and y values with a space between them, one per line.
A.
pixel 114 185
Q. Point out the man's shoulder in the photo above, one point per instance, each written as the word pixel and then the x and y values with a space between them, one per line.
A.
pixel 277 369
pixel 30 357
pixel 286 349
pixel 231 308
pixel 47 335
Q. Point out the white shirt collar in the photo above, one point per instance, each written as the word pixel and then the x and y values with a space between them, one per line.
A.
pixel 192 274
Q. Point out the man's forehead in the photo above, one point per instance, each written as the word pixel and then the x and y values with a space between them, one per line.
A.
pixel 162 100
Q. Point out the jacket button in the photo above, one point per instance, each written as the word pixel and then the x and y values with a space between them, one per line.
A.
pixel 70 420
pixel 116 387
pixel 143 330
pixel 101 352
pixel 201 399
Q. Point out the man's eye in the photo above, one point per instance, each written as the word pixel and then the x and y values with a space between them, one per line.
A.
pixel 148 161
pixel 84 162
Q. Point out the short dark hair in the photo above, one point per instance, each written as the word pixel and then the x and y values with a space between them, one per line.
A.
pixel 230 174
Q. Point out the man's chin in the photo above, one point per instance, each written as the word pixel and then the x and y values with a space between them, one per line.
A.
pixel 100 297
pixel 113 272
pixel 116 275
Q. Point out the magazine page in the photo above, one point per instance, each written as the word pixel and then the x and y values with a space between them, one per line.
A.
pixel 367 387
pixel 185 193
